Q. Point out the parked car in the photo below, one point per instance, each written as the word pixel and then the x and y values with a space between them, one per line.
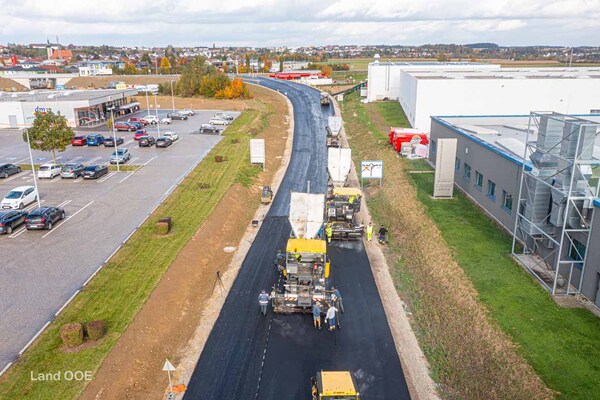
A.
pixel 9 169
pixel 163 142
pixel 138 125
pixel 171 135
pixel 218 121
pixel 95 139
pixel 125 126
pixel 109 141
pixel 188 111
pixel 224 116
pixel 177 115
pixel 20 197
pixel 120 155
pixel 79 140
pixel 71 170
pixel 146 141
pixel 9 220
pixel 208 128
pixel 151 119
pixel 48 171
pixel 139 120
pixel 139 134
pixel 166 120
pixel 44 218
pixel 94 171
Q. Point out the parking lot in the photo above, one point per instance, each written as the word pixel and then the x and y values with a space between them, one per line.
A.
pixel 41 270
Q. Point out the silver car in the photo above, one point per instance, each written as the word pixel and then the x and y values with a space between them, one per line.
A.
pixel 120 155
pixel 71 170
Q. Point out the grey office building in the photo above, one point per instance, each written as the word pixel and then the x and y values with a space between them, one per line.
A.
pixel 551 207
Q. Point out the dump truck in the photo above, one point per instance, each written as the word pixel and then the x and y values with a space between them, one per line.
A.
pixel 325 99
pixel 339 165
pixel 304 266
pixel 334 126
pixel 342 213
pixel 334 385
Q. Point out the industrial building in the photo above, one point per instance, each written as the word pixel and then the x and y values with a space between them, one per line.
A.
pixel 79 107
pixel 550 206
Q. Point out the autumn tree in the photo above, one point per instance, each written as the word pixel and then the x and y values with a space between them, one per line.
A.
pixel 191 76
pixel 280 64
pixel 49 132
pixel 213 84
pixel 327 71
pixel 130 69
pixel 165 65
pixel 235 89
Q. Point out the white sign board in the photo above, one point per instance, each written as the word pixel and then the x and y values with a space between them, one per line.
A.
pixel 257 151
pixel 445 160
pixel 371 169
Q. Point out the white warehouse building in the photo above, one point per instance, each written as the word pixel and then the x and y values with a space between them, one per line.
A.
pixel 506 91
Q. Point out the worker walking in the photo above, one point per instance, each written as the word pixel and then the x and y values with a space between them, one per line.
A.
pixel 382 234
pixel 263 302
pixel 316 310
pixel 337 299
pixel 331 317
pixel 329 232
pixel 370 231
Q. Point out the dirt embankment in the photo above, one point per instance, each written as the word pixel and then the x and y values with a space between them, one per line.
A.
pixel 8 85
pixel 164 326
pixel 96 82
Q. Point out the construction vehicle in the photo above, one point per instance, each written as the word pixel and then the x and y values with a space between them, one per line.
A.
pixel 342 212
pixel 267 195
pixel 334 126
pixel 334 385
pixel 304 267
pixel 339 165
pixel 324 99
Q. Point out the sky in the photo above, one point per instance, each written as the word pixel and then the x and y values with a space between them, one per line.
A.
pixel 293 23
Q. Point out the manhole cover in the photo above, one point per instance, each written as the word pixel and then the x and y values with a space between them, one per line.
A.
pixel 229 249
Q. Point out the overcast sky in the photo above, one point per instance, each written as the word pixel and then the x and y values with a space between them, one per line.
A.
pixel 301 22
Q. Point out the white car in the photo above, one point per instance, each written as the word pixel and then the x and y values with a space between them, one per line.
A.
pixel 187 111
pixel 225 116
pixel 48 171
pixel 218 121
pixel 171 135
pixel 152 119
pixel 19 197
pixel 166 120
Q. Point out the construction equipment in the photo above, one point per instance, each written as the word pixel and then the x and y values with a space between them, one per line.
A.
pixel 334 126
pixel 334 385
pixel 324 99
pixel 267 195
pixel 342 211
pixel 339 164
pixel 304 266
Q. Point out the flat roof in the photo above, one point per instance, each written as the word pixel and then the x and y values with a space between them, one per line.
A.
pixel 511 73
pixel 505 135
pixel 96 96
pixel 429 63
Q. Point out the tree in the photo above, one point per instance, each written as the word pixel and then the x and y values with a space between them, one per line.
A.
pixel 191 76
pixel 49 132
pixel 165 65
pixel 441 57
pixel 327 71
pixel 280 64
pixel 109 123
pixel 146 58
pixel 130 69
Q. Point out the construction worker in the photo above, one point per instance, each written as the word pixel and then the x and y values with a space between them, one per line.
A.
pixel 351 199
pixel 329 232
pixel 336 297
pixel 382 232
pixel 263 301
pixel 370 231
pixel 316 310
pixel 330 316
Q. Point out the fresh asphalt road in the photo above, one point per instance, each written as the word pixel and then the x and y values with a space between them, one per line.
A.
pixel 41 270
pixel 248 356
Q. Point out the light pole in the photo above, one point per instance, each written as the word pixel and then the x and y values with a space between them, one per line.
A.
pixel 112 118
pixel 147 101
pixel 157 119
pixel 33 169
pixel 172 96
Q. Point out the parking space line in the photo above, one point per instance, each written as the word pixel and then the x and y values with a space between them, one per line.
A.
pixel 21 160
pixel 128 175
pixel 93 160
pixel 68 218
pixel 128 142
pixel 78 179
pixel 74 159
pixel 107 177
pixel 64 203
pixel 18 232
pixel 133 159
pixel 33 205
pixel 12 178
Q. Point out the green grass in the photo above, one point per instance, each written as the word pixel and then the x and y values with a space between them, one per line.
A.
pixel 392 113
pixel 562 345
pixel 353 76
pixel 118 291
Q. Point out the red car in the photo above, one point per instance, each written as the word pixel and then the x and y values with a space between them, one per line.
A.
pixel 79 141
pixel 139 134
pixel 124 126
pixel 140 120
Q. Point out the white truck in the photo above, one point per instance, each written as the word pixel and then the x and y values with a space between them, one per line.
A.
pixel 334 126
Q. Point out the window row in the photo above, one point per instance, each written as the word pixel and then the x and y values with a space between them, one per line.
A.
pixel 507 200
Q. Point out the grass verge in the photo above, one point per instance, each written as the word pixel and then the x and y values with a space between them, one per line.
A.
pixel 117 293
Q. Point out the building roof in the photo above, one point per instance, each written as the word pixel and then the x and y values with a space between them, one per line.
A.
pixel 513 73
pixel 91 96
pixel 61 54
pixel 431 63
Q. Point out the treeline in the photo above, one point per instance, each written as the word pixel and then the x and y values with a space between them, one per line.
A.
pixel 199 78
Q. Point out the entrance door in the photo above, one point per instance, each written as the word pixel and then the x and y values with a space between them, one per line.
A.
pixel 12 121
pixel 597 301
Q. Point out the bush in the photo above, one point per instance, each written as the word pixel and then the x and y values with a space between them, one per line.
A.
pixel 72 334
pixel 96 329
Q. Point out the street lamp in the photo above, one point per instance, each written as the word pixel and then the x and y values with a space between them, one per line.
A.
pixel 112 118
pixel 147 102
pixel 33 169
pixel 172 96
pixel 157 119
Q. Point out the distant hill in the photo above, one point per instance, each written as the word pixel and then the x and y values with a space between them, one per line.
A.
pixel 482 46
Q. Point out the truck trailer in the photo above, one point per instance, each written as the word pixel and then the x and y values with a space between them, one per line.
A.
pixel 334 126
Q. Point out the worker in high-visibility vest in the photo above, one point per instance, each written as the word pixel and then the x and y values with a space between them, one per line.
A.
pixel 329 232
pixel 351 199
pixel 370 231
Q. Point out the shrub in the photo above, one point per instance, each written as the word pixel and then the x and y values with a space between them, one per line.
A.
pixel 72 334
pixel 96 329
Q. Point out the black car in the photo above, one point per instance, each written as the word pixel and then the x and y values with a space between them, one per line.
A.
pixel 177 116
pixel 44 218
pixel 9 220
pixel 9 169
pixel 208 128
pixel 109 141
pixel 146 141
pixel 94 171
pixel 163 142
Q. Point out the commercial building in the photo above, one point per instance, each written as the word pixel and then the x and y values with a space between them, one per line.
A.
pixel 79 107
pixel 551 207
pixel 99 67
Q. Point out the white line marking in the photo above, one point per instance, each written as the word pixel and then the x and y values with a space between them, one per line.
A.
pixel 18 232
pixel 78 179
pixel 111 256
pixel 133 159
pixel 33 205
pixel 74 159
pixel 64 203
pixel 68 218
pixel 130 235
pixel 67 303
pixel 107 177
pixel 5 368
pixel 21 160
pixel 35 337
pixel 128 142
pixel 89 162
pixel 12 178
pixel 93 275
pixel 146 163
pixel 123 180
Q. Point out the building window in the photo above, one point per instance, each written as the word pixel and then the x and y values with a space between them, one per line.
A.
pixel 467 172
pixel 491 192
pixel 478 180
pixel 577 250
pixel 507 201
pixel 433 149
pixel 457 164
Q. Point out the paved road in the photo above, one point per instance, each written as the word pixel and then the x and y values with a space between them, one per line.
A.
pixel 248 356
